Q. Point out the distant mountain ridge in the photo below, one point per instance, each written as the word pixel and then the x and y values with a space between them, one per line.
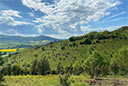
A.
pixel 4 38
pixel 8 41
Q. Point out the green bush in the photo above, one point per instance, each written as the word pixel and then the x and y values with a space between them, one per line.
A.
pixel 64 80
pixel 41 67
pixel 95 65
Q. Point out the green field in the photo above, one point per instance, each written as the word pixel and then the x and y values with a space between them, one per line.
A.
pixel 52 80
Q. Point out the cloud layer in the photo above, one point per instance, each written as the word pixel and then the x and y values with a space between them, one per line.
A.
pixel 7 18
pixel 60 18
pixel 67 16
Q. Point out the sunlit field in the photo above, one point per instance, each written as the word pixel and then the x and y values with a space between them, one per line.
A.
pixel 52 80
pixel 8 50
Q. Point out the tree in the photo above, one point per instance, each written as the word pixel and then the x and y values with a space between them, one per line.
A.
pixel 17 69
pixel 60 69
pixel 1 73
pixel 77 68
pixel 95 65
pixel 33 67
pixel 7 70
pixel 41 67
pixel 119 62
pixel 69 69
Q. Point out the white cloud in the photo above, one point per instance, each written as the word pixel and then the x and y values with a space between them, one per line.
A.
pixel 62 36
pixel 89 29
pixel 10 13
pixel 37 5
pixel 19 34
pixel 114 20
pixel 85 28
pixel 1 33
pixel 23 35
pixel 68 15
pixel 10 21
pixel 16 23
pixel 121 13
pixel 7 17
pixel 31 14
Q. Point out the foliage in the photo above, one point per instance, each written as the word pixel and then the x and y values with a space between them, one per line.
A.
pixel 64 80
pixel 41 67
pixel 17 69
pixel 95 65
pixel 77 68
pixel 60 69
pixel 119 63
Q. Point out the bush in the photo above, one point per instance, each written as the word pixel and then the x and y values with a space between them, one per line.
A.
pixel 64 80
pixel 16 69
pixel 60 69
pixel 41 67
pixel 119 62
pixel 96 65
pixel 86 41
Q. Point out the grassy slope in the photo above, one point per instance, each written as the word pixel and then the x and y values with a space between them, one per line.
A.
pixel 71 53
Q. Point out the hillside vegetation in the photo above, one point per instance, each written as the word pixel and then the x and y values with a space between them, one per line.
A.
pixel 101 57
pixel 76 49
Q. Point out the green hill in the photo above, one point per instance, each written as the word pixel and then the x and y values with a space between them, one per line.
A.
pixel 76 49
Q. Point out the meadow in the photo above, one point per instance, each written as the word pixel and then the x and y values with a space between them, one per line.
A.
pixel 52 80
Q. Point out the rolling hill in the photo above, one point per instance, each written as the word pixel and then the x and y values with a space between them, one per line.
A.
pixel 76 49
pixel 22 42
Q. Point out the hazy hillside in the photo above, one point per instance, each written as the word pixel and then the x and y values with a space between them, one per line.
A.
pixel 76 49
pixel 18 41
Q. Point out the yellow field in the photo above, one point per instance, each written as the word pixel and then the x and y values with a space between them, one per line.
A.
pixel 8 50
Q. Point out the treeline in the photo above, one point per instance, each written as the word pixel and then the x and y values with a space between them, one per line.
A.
pixel 94 66
pixel 94 37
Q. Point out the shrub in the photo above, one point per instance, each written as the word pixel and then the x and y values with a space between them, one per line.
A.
pixel 41 67
pixel 16 69
pixel 95 65
pixel 64 80
pixel 60 69
pixel 119 62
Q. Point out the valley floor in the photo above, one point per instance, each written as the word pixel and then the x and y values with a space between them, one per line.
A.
pixel 52 80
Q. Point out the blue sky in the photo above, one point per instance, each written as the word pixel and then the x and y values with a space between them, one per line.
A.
pixel 61 18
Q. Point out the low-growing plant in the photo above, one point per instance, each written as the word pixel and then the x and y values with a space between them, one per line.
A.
pixel 64 80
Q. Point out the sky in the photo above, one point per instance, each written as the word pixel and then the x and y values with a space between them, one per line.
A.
pixel 61 18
